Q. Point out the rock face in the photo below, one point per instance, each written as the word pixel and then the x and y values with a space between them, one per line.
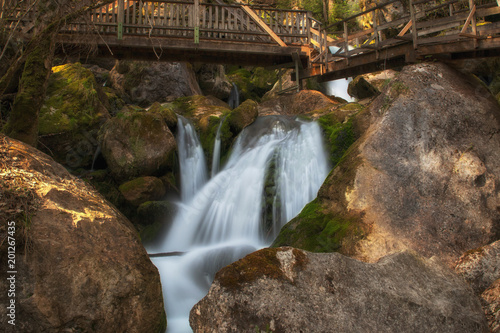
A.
pixel 425 174
pixel 80 264
pixel 490 299
pixel 361 89
pixel 143 83
pixel 289 290
pixel 142 189
pixel 137 143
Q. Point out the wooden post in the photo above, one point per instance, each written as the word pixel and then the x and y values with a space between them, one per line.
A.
pixel 196 18
pixel 472 6
pixel 297 76
pixel 346 42
pixel 414 25
pixel 375 32
pixel 121 8
pixel 309 26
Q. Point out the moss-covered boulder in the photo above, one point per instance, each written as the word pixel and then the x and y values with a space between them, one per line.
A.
pixel 166 110
pixel 242 116
pixel 138 143
pixel 74 109
pixel 142 189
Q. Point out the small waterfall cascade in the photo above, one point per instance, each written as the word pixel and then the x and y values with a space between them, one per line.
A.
pixel 234 97
pixel 191 159
pixel 217 148
pixel 224 219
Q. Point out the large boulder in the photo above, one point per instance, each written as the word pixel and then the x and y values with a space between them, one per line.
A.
pixel 290 290
pixel 423 176
pixel 490 299
pixel 138 143
pixel 213 81
pixel 298 103
pixel 142 189
pixel 144 83
pixel 75 108
pixel 80 264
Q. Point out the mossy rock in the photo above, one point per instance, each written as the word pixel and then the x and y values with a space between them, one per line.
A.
pixel 316 230
pixel 138 143
pixel 498 98
pixel 74 109
pixel 166 110
pixel 142 189
pixel 243 116
pixel 339 135
pixel 208 134
pixel 252 83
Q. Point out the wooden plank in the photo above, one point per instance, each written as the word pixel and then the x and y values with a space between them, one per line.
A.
pixel 264 26
pixel 405 29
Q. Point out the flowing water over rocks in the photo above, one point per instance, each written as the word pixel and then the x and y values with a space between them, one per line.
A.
pixel 276 161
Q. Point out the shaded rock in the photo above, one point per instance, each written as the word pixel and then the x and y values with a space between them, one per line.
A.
pixel 289 290
pixel 73 112
pixel 480 267
pixel 305 101
pixel 142 189
pixel 380 80
pixel 80 265
pixel 423 175
pixel 213 81
pixel 153 217
pixel 137 143
pixel 360 88
pixel 167 113
pixel 252 82
pixel 143 83
pixel 490 299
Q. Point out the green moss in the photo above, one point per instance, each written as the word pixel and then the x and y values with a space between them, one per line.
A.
pixel 263 263
pixel 340 136
pixel 73 100
pixel 167 112
pixel 315 230
pixel 132 185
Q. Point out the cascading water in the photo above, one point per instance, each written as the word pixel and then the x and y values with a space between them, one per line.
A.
pixel 223 221
pixel 191 159
pixel 216 154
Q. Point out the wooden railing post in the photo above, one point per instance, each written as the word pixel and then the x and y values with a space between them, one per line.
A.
pixel 309 26
pixel 196 18
pixel 472 7
pixel 414 25
pixel 120 18
pixel 375 33
pixel 346 42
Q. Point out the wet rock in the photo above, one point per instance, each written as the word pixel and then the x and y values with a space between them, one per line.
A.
pixel 137 143
pixel 242 116
pixel 80 264
pixel 289 290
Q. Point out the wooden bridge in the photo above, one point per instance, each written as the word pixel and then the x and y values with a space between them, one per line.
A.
pixel 196 31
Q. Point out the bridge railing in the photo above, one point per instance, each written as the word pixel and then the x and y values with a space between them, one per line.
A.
pixel 182 19
pixel 423 22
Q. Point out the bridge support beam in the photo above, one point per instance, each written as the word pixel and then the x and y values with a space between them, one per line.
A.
pixel 120 19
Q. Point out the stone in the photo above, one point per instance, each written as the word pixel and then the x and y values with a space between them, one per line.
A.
pixel 290 290
pixel 490 299
pixel 424 173
pixel 480 267
pixel 303 102
pixel 360 88
pixel 242 116
pixel 142 189
pixel 137 143
pixel 80 264
pixel 74 110
pixel 213 81
pixel 144 83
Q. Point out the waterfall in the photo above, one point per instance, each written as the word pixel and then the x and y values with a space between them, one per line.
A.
pixel 216 154
pixel 191 159
pixel 234 97
pixel 224 220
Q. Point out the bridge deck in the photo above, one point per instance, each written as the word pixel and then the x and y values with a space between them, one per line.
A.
pixel 220 33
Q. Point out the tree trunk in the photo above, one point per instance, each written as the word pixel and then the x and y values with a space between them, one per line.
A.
pixel 23 121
